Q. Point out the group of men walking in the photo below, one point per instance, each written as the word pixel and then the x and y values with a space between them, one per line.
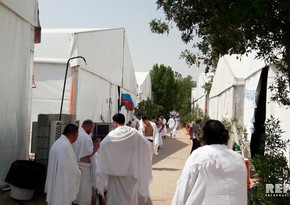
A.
pixel 118 169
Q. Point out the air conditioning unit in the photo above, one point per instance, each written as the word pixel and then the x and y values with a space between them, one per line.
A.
pixel 102 129
pixel 56 129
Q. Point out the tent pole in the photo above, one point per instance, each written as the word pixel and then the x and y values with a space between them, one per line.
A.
pixel 62 97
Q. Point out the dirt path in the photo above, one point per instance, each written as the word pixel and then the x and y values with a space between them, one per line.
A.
pixel 167 167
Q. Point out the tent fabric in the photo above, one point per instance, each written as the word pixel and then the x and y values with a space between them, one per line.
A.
pixel 228 78
pixel 16 54
pixel 49 79
pixel 200 95
pixel 228 73
pixel 27 11
pixel 223 106
pixel 129 78
pixel 95 83
pixel 229 98
pixel 110 53
pixel 241 75
pixel 92 101
pixel 235 86
pixel 144 86
pixel 251 93
pixel 278 111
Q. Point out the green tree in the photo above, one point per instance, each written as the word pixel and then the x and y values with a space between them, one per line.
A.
pixel 183 96
pixel 170 90
pixel 164 87
pixel 194 114
pixel 228 27
pixel 148 108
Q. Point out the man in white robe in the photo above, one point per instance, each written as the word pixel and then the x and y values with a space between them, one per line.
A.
pixel 150 133
pixel 63 173
pixel 164 122
pixel 84 150
pixel 172 126
pixel 213 174
pixel 124 164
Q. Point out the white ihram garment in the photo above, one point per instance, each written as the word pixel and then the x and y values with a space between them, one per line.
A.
pixel 165 128
pixel 63 173
pixel 159 140
pixel 213 174
pixel 83 147
pixel 156 141
pixel 172 126
pixel 124 157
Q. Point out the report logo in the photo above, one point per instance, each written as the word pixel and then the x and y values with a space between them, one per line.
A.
pixel 277 190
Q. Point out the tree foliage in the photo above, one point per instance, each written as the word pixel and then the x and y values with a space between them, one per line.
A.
pixel 194 114
pixel 163 87
pixel 148 108
pixel 183 96
pixel 271 167
pixel 228 27
pixel 170 90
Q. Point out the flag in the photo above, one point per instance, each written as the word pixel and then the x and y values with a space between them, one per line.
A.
pixel 127 101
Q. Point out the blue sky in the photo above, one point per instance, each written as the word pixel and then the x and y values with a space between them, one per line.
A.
pixel 146 48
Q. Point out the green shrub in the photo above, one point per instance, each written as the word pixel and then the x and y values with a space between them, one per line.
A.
pixel 270 168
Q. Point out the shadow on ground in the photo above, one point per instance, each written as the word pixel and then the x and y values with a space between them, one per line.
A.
pixel 171 145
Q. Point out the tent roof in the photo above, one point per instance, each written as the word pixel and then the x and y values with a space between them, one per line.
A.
pixel 106 51
pixel 144 85
pixel 76 30
pixel 234 69
pixel 57 43
pixel 229 72
pixel 141 76
pixel 27 10
pixel 252 64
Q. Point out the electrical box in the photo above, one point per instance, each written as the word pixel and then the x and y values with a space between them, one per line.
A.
pixel 102 129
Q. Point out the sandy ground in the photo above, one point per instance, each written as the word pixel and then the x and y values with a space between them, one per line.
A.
pixel 167 167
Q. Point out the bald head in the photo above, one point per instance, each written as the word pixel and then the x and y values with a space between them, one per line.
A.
pixel 88 126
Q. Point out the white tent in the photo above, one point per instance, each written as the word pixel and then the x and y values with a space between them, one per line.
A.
pixel 144 86
pixel 240 89
pixel 92 89
pixel 278 111
pixel 18 20
pixel 257 98
pixel 200 98
pixel 226 95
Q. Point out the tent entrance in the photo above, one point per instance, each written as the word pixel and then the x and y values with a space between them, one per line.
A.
pixel 257 142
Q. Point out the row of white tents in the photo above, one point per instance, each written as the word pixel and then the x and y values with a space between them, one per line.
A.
pixel 32 79
pixel 144 86
pixel 92 89
pixel 240 90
